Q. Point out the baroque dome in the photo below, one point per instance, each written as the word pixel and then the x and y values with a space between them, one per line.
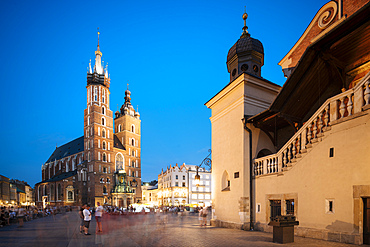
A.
pixel 245 44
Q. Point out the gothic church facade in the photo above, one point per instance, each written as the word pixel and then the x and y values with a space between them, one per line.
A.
pixel 103 165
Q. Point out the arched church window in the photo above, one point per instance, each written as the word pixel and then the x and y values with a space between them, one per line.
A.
pixel 133 128
pixel 105 189
pixel 103 96
pixel 103 133
pixel 104 145
pixel 104 157
pixel 133 163
pixel 59 192
pixel 102 121
pixel 133 153
pixel 119 162
pixel 108 180
pixel 133 142
pixel 88 120
pixel 119 128
pixel 95 94
pixel 103 110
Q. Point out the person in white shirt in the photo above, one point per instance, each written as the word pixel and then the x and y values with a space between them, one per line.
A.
pixel 98 216
pixel 87 219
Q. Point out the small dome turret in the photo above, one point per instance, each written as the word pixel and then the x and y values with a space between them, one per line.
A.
pixel 246 55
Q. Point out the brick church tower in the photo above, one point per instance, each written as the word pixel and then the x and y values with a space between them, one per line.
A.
pixel 98 133
pixel 128 131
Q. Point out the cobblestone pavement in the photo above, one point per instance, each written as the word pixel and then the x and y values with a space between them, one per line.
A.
pixel 137 230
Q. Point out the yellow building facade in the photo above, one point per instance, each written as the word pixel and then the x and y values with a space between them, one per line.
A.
pixel 301 149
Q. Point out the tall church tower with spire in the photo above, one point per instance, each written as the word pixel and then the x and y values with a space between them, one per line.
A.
pixel 103 165
pixel 98 132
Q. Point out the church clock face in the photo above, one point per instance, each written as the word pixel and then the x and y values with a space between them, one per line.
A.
pixel 255 68
pixel 244 67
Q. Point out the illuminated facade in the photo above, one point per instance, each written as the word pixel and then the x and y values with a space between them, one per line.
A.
pixel 15 192
pixel 150 195
pixel 104 165
pixel 199 194
pixel 177 186
pixel 301 149
pixel 173 186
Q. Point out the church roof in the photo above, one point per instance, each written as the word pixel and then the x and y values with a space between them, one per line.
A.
pixel 243 45
pixel 117 143
pixel 70 148
pixel 59 177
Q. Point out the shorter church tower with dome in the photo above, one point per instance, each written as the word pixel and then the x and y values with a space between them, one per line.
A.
pixel 103 165
pixel 246 94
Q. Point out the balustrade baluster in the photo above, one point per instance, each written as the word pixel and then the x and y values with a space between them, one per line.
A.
pixel 321 123
pixel 285 159
pixel 327 114
pixel 342 107
pixel 350 105
pixel 309 134
pixel 270 168
pixel 367 92
pixel 294 149
pixel 315 129
pixel 299 145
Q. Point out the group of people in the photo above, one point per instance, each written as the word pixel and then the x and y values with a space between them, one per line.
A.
pixel 21 214
pixel 85 215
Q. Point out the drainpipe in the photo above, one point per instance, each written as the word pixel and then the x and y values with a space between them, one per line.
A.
pixel 251 205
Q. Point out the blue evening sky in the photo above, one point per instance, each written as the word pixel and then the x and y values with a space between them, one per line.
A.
pixel 173 53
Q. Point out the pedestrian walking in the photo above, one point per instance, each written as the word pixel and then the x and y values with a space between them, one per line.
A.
pixel 204 215
pixel 20 216
pixel 87 219
pixel 98 216
pixel 200 216
pixel 82 222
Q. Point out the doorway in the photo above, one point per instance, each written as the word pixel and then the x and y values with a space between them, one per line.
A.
pixel 366 220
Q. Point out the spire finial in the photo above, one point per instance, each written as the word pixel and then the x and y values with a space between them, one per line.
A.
pixel 127 84
pixel 245 28
pixel 98 36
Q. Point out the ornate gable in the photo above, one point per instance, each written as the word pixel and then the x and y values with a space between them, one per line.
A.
pixel 327 18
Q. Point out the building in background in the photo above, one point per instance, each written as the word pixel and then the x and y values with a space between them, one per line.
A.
pixel 150 194
pixel 173 186
pixel 4 190
pixel 177 186
pixel 199 194
pixel 302 149
pixel 103 165
pixel 15 192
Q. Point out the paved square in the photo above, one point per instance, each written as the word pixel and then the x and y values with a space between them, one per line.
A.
pixel 137 230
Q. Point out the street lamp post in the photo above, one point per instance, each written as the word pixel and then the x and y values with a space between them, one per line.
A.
pixel 206 162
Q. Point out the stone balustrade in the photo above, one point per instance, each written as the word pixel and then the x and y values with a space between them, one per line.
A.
pixel 338 108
